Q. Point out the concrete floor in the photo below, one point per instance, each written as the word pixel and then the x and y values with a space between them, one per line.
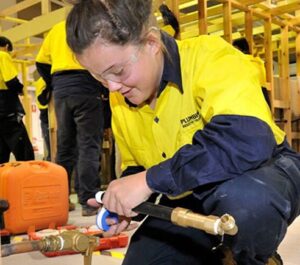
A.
pixel 289 249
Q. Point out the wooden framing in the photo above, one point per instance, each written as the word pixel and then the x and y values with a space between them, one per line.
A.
pixel 227 22
pixel 249 28
pixel 202 17
pixel 296 131
pixel 284 84
pixel 18 7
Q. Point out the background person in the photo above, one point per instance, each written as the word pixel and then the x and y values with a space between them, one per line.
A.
pixel 171 25
pixel 13 134
pixel 79 114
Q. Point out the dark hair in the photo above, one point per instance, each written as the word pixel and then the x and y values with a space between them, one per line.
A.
pixel 242 45
pixel 113 21
pixel 169 18
pixel 6 42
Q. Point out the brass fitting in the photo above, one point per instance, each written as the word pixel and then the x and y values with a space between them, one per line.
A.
pixel 67 240
pixel 71 240
pixel 211 224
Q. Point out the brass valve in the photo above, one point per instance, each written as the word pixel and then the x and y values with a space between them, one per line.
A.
pixel 71 240
pixel 67 240
pixel 211 224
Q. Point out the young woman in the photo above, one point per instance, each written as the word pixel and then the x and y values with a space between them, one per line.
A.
pixel 191 124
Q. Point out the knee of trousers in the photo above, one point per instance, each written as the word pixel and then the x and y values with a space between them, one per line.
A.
pixel 260 213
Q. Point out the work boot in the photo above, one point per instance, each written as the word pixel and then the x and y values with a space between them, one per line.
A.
pixel 88 210
pixel 228 259
pixel 71 206
pixel 275 260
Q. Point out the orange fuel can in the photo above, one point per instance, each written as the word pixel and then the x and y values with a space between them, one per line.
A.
pixel 37 192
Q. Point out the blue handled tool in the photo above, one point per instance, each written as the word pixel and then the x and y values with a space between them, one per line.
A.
pixel 101 221
pixel 101 218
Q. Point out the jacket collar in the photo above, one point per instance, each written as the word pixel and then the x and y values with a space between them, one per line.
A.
pixel 172 70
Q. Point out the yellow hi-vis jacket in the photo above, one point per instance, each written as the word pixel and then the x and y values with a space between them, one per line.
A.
pixel 260 67
pixel 56 52
pixel 10 87
pixel 210 122
pixel 7 69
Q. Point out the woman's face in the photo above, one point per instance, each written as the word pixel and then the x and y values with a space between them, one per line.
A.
pixel 134 71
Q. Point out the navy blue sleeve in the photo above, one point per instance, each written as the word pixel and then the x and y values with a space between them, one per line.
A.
pixel 45 72
pixel 228 146
pixel 132 170
pixel 15 85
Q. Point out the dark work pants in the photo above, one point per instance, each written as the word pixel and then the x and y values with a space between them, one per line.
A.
pixel 79 137
pixel 262 201
pixel 14 139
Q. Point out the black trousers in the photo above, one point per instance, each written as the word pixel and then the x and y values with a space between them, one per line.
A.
pixel 262 201
pixel 14 139
pixel 79 140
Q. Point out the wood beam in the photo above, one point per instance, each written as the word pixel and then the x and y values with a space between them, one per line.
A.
pixel 236 19
pixel 249 29
pixel 227 10
pixel 240 6
pixel 296 135
pixel 202 16
pixel 59 3
pixel 298 64
pixel 295 21
pixel 18 7
pixel 298 56
pixel 36 26
pixel 269 59
pixel 27 50
pixel 285 84
pixel 13 19
pixel 252 2
pixel 46 7
pixel 285 8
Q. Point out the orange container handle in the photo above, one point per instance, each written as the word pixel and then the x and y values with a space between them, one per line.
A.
pixel 39 164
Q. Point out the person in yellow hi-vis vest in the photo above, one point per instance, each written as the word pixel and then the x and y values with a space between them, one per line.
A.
pixel 13 134
pixel 78 101
pixel 171 25
pixel 191 125
pixel 40 85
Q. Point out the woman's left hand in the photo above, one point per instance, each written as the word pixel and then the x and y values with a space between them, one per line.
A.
pixel 123 194
pixel 123 224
